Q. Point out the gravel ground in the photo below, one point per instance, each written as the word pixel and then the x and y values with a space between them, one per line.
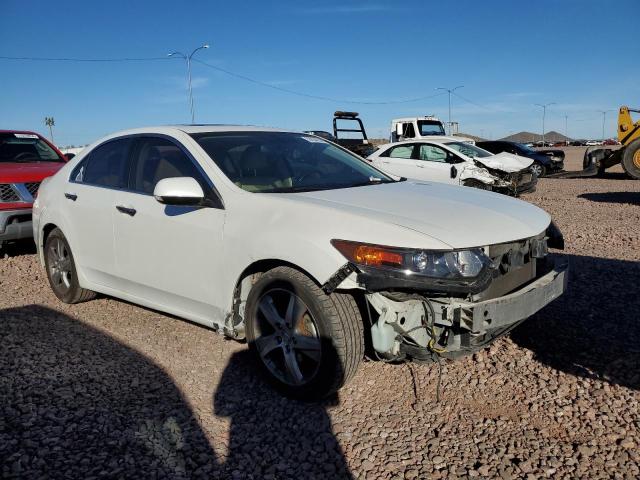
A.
pixel 106 389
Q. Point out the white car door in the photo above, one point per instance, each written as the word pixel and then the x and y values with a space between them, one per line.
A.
pixel 170 256
pixel 398 161
pixel 89 200
pixel 434 161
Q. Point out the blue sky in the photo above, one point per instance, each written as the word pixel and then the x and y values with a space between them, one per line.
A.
pixel 509 55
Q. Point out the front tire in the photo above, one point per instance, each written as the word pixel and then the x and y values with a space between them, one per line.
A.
pixel 631 159
pixel 61 270
pixel 307 343
pixel 538 169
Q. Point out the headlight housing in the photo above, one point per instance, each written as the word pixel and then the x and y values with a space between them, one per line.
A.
pixel 457 265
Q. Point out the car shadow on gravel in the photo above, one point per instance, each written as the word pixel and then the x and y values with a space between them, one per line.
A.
pixel 593 329
pixel 632 198
pixel 272 436
pixel 76 403
pixel 15 249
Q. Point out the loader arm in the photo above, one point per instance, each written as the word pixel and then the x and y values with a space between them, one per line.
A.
pixel 628 131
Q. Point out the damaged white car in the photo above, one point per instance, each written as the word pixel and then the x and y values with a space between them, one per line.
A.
pixel 296 245
pixel 450 160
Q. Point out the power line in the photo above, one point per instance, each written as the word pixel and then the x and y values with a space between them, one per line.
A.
pixel 227 72
pixel 83 60
pixel 309 95
pixel 472 102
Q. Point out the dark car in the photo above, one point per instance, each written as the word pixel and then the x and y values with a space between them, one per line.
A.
pixel 545 161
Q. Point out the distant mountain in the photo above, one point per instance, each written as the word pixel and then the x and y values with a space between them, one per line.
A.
pixel 526 137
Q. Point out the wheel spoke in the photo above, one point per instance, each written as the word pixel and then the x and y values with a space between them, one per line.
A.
pixel 267 344
pixel 293 369
pixel 309 346
pixel 295 310
pixel 269 311
pixel 59 249
pixel 56 277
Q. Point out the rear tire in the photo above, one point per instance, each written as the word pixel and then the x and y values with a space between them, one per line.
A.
pixel 307 343
pixel 631 159
pixel 61 270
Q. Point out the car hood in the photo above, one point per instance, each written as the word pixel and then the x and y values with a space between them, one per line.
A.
pixel 18 172
pixel 461 217
pixel 505 161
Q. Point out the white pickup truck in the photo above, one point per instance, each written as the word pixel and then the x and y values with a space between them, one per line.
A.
pixel 419 127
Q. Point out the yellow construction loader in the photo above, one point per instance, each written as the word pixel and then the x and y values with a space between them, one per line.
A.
pixel 628 155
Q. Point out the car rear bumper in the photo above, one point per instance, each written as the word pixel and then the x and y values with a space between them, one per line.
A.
pixel 15 224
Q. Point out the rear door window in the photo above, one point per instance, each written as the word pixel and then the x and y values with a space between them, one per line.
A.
pixel 106 166
pixel 401 151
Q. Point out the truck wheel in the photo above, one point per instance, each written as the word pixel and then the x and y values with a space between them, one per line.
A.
pixel 308 343
pixel 476 184
pixel 538 169
pixel 631 159
pixel 61 270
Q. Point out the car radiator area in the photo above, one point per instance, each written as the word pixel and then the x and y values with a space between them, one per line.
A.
pixel 420 326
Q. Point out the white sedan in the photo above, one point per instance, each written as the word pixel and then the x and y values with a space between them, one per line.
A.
pixel 295 244
pixel 449 160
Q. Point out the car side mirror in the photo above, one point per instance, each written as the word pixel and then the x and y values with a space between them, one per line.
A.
pixel 179 191
pixel 454 171
pixel 69 156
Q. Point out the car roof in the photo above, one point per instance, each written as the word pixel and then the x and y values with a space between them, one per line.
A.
pixel 29 132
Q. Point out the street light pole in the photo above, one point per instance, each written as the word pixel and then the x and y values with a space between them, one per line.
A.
pixel 188 59
pixel 566 132
pixel 604 116
pixel 544 113
pixel 450 90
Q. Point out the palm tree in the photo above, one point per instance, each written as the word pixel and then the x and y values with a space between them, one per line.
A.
pixel 50 122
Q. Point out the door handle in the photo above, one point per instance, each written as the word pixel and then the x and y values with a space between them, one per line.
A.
pixel 71 196
pixel 127 210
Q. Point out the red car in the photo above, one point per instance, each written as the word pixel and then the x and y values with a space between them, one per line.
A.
pixel 26 159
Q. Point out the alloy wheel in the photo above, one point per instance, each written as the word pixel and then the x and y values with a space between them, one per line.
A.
pixel 60 265
pixel 287 337
pixel 537 169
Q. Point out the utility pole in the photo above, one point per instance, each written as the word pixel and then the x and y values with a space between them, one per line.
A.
pixel 566 132
pixel 50 122
pixel 604 116
pixel 450 90
pixel 188 59
pixel 544 113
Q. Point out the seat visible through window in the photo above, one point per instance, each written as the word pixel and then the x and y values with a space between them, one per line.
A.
pixel 159 158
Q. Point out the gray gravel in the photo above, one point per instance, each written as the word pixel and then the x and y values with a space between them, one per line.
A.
pixel 106 389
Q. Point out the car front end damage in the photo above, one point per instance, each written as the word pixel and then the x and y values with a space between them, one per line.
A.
pixel 417 317
pixel 514 183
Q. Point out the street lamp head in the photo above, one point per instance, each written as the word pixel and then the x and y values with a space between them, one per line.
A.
pixel 206 45
pixel 175 53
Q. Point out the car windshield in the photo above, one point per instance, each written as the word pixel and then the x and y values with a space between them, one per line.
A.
pixel 469 150
pixel 430 127
pixel 26 147
pixel 278 162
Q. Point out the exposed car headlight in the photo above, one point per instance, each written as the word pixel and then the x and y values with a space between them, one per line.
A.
pixel 448 265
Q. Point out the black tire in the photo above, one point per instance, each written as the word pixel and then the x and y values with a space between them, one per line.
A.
pixel 538 169
pixel 631 159
pixel 61 270
pixel 476 184
pixel 338 329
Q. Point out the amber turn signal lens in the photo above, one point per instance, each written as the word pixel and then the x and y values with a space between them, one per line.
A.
pixel 368 254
